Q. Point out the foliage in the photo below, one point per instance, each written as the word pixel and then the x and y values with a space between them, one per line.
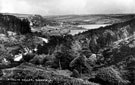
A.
pixel 111 75
pixel 111 45
pixel 28 71
pixel 39 21
pixel 12 23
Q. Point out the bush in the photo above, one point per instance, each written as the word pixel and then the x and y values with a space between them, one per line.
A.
pixel 111 76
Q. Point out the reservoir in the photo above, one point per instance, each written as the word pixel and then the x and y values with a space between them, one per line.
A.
pixel 86 27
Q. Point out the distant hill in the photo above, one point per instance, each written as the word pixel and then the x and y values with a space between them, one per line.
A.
pixel 36 20
pixel 92 19
pixel 77 19
pixel 18 15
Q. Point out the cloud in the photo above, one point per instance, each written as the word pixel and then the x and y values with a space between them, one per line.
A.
pixel 74 6
pixel 21 6
pixel 110 6
pixel 0 5
pixel 60 7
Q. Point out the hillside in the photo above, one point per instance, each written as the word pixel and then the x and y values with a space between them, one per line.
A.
pixel 113 45
pixel 12 23
pixel 103 56
pixel 106 36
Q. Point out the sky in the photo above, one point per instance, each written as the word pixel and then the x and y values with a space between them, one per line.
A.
pixel 66 7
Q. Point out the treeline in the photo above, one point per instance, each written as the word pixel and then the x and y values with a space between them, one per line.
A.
pixel 39 21
pixel 14 24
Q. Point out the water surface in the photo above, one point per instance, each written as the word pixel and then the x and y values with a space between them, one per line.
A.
pixel 87 27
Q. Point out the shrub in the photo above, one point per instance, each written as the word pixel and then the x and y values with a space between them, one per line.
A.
pixel 111 76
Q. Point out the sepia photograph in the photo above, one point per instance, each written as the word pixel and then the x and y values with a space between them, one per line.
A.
pixel 67 42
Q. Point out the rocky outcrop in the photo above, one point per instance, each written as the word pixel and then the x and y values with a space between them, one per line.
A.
pixel 103 37
pixel 116 44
